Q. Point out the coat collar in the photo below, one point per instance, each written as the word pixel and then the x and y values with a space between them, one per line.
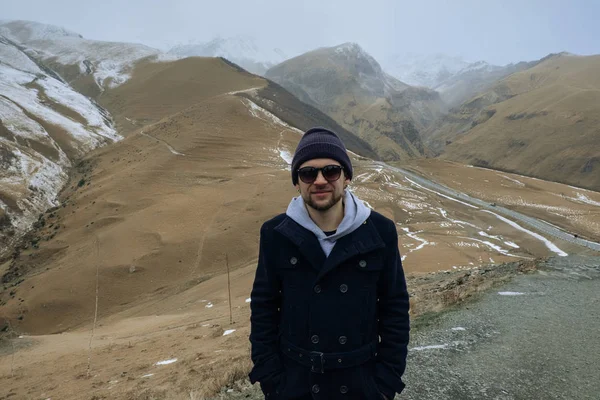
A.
pixel 363 240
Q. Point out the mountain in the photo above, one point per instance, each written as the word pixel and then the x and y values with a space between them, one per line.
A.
pixel 474 79
pixel 456 79
pixel 90 66
pixel 45 125
pixel 423 70
pixel 242 50
pixel 542 122
pixel 350 86
pixel 202 167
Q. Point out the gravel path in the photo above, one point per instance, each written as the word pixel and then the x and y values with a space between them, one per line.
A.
pixel 536 337
pixel 541 344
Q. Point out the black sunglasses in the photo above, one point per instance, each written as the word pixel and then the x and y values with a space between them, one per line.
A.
pixel 331 173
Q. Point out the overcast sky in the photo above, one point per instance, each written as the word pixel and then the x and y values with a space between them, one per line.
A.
pixel 497 31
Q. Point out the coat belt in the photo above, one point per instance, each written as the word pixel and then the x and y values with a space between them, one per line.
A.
pixel 320 362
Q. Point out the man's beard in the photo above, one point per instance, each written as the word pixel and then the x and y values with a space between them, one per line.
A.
pixel 335 198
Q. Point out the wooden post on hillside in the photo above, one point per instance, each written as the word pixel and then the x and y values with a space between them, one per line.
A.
pixel 12 335
pixel 229 288
pixel 89 363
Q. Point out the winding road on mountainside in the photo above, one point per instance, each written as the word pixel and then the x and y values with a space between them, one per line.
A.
pixel 467 200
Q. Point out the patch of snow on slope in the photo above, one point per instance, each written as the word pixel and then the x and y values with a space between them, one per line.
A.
pixel 12 86
pixel 431 347
pixel 415 237
pixel 551 246
pixel 31 170
pixel 513 180
pixel 66 96
pixel 15 120
pixel 286 156
pixel 584 199
pixel 166 362
pixel 440 194
pixel 484 234
pixel 30 176
pixel 256 111
pixel 493 246
pixel 12 56
pixel 444 214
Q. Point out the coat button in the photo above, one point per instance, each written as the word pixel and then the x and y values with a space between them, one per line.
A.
pixel 314 339
pixel 343 288
pixel 318 289
pixel 362 263
pixel 343 339
pixel 315 389
pixel 343 389
pixel 293 260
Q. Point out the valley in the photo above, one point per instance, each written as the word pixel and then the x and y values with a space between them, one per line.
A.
pixel 134 183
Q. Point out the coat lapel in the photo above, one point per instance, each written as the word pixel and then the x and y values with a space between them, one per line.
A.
pixel 306 242
pixel 361 241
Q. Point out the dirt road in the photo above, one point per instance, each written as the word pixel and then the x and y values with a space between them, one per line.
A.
pixel 537 224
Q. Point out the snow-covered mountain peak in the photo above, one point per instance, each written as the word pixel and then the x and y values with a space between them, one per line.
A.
pixel 109 62
pixel 241 49
pixel 353 50
pixel 424 70
pixel 354 53
pixel 348 47
pixel 27 31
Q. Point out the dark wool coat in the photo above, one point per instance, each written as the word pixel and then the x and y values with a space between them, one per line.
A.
pixel 332 327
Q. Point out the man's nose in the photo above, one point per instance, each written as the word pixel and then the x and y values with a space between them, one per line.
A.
pixel 320 179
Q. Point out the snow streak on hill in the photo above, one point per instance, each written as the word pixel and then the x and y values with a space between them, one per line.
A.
pixel 44 126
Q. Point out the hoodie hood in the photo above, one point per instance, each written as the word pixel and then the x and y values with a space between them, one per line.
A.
pixel 355 213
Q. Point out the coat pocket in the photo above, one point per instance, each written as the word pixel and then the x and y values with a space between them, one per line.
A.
pixel 368 380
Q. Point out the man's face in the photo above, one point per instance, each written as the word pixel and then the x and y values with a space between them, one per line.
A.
pixel 321 195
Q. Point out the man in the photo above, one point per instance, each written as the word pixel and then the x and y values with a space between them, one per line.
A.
pixel 329 302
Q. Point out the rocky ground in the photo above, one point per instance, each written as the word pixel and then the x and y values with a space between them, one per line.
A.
pixel 534 336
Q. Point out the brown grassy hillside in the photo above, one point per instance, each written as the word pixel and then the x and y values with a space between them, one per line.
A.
pixel 155 213
pixel 542 122
pixel 163 89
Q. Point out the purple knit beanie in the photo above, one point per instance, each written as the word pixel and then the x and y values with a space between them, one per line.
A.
pixel 320 143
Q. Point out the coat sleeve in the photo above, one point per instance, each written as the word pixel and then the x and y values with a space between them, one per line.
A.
pixel 394 324
pixel 265 301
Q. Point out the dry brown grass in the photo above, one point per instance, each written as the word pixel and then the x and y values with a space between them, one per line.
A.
pixel 556 203
pixel 235 370
pixel 540 122
pixel 158 90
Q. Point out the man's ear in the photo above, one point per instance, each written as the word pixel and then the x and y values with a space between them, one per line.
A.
pixel 297 186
